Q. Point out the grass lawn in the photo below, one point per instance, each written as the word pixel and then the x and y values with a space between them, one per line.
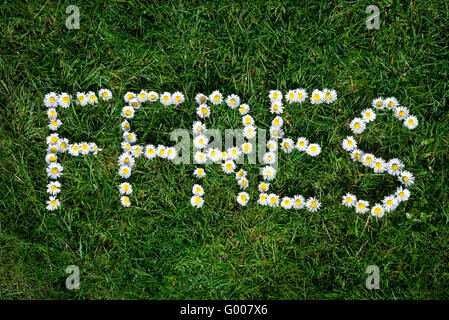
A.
pixel 161 247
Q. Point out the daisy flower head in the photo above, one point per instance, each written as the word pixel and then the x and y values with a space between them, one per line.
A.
pixel 378 103
pixel 197 190
pixel 263 199
pixel 391 103
pixel 63 145
pixel 125 172
pixel 287 203
pixel 165 98
pixel 171 153
pixel 401 113
pixel 52 139
pixel 125 125
pixel 200 157
pixel 240 174
pixel 128 112
pixel 356 154
pixel 349 143
pixel 81 98
pixel 178 98
pixel 263 186
pixel 313 149
pixel 200 141
pixel 268 173
pixel 51 158
pixel 298 202
pixel 54 124
pixel 273 200
pixel 51 100
pixel 233 101
pixel 142 96
pixel 395 166
pixel 243 183
pixel 64 100
pixel 126 159
pixel 390 203
pixel 136 151
pixel 243 198
pixel 379 165
pixel 203 111
pixel 277 121
pixel 130 137
pixel 214 155
pixel 277 107
pixel 247 120
pixel 92 97
pixel 105 94
pixel 124 200
pixel 134 103
pixel 74 150
pixel 125 188
pixel 247 147
pixel 54 170
pixel 368 160
pixel 361 206
pixel 216 97
pixel 317 97
pixel 249 132
pixel 200 98
pixel 53 203
pixel 402 194
pixel 349 200
pixel 411 122
pixel 244 109
pixel 272 145
pixel 93 148
pixel 161 151
pixel 291 96
pixel 53 188
pixel 406 178
pixel 302 143
pixel 196 201
pixel 301 95
pixel 129 96
pixel 269 158
pixel 378 210
pixel 199 173
pixel 313 205
pixel 357 125
pixel 126 146
pixel 368 115
pixel 53 148
pixel 276 132
pixel 198 128
pixel 228 167
pixel 52 113
pixel 329 96
pixel 234 153
pixel 275 95
pixel 153 96
pixel 287 145
pixel 225 156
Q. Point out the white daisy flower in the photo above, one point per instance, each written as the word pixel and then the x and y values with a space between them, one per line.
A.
pixel 124 172
pixel 130 137
pixel 52 139
pixel 240 174
pixel 244 109
pixel 277 107
pixel 313 204
pixel 249 132
pixel 54 124
pixel 136 151
pixel 225 156
pixel 356 154
pixel 177 98
pixel 74 150
pixel 378 103
pixel 233 101
pixel 329 96
pixel 92 97
pixel 269 158
pixel 197 190
pixel 52 113
pixel 287 145
pixel 214 154
pixel 126 146
pixel 228 166
pixel 317 97
pixel 53 188
pixel 368 115
pixel 273 200
pixel 105 94
pixel 84 148
pixel 125 125
pixel 126 159
pixel 125 188
pixel 298 202
pixel 216 97
pixel 395 166
pixel 349 200
pixel 200 157
pixel 243 183
pixel 94 148
pixel 247 147
pixel 54 148
pixel 276 132
pixel 165 99
pixel 287 203
pixel 64 100
pixel 124 200
pixel 234 153
pixel 196 202
pixel 247 120
pixel 357 125
pixel 161 151
pixel 313 149
pixel 349 143
pixel 203 111
pixel 153 96
pixel 272 145
pixel 129 96
pixel 200 98
pixel 199 173
pixel 391 103
pixel 301 95
pixel 263 199
pixel 199 128
pixel 51 158
pixel 401 113
pixel 51 100
pixel 268 173
pixel 361 206
pixel 243 198
pixel 263 186
pixel 53 203
pixel 200 141
pixel 63 145
pixel 402 194
pixel 278 121
pixel 150 151
pixel 291 96
pixel 406 178
pixel 302 144
pixel 390 203
pixel 128 112
pixel 411 122
pixel 134 103
pixel 275 95
pixel 378 210
pixel 81 98
pixel 54 170
pixel 379 165
pixel 368 160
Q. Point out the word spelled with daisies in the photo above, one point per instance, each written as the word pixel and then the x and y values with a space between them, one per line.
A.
pixel 227 159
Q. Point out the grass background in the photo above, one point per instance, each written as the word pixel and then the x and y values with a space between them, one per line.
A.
pixel 163 249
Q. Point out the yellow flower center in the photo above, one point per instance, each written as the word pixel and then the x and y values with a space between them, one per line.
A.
pixel 125 171
pixel 126 187
pixel 53 188
pixel 52 159
pixel 275 107
pixel 130 96
pixel 357 155
pixel 377 210
pixel 81 98
pixel 316 97
pixel 128 112
pixel 313 149
pixel 229 166
pixel 262 197
pixel 178 98
pixel 368 115
pixel 410 121
pixel 126 160
pixel 287 202
pixel 349 143
pixel 92 97
pixel 54 170
pixel 55 123
pixel 104 94
pixel 52 113
pixel 263 187
pixel 52 99
pixel 197 199
pixel 401 113
pixel 203 98
pixel 389 203
pixel 137 150
pixel 378 165
pixel 301 143
pixel 203 110
pixel 286 145
pixel 75 148
pixel 152 97
pixel 313 204
pixel 276 122
pixel 217 97
pixel 391 104
pixel 275 95
pixel 142 96
pixel 243 197
pixel 246 147
pixel 401 194
pixel 298 202
pixel 357 125
pixel 54 140
pixel 269 173
pixel 405 179
pixel 198 190
pixel 299 95
pixel 65 99
pixel 200 172
pixel 379 103
pixel 395 167
pixel 244 182
pixel 292 96
pixel 328 96
pixel 369 159
pixel 361 206
pixel 233 101
pixel 348 199
pixel 273 200
pixel 150 151
pixel 53 203
pixel 84 146
pixel 126 200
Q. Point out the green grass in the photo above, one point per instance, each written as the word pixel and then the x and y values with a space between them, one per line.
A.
pixel 161 248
